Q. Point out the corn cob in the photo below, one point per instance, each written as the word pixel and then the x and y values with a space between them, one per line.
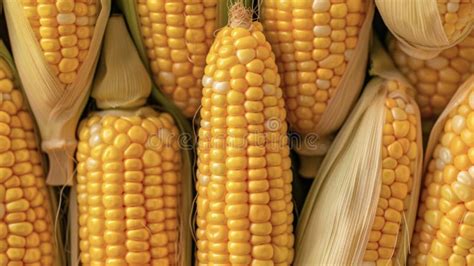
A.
pixel 244 204
pixel 128 189
pixel 129 176
pixel 455 15
pixel 437 79
pixel 25 210
pixel 313 42
pixel 64 29
pixel 177 35
pixel 400 153
pixel 445 226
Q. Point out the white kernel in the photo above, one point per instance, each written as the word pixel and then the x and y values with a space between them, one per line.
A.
pixel 204 179
pixel 92 164
pixel 465 178
pixel 445 155
pixel 471 171
pixel 95 129
pixel 220 87
pixel 207 81
pixel 458 123
pixel 453 7
pixel 6 96
pixel 322 31
pixel 323 84
pixel 321 5
pixel 94 140
pixel 66 18
pixel 205 124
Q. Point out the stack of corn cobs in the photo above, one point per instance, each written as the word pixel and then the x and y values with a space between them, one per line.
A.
pixel 237 132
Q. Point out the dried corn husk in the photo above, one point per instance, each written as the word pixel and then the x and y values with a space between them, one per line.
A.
pixel 340 208
pixel 122 86
pixel 463 96
pixel 419 24
pixel 315 140
pixel 56 107
pixel 7 64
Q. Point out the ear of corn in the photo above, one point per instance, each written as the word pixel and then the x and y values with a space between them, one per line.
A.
pixel 26 209
pixel 64 31
pixel 445 226
pixel 437 79
pixel 244 202
pixel 174 38
pixel 128 188
pixel 133 195
pixel 363 200
pixel 440 24
pixel 66 44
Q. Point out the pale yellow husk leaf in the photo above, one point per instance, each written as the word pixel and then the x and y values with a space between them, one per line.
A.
pixel 57 108
pixel 340 105
pixel 340 208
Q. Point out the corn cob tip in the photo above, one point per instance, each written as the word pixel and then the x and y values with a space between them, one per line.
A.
pixel 240 16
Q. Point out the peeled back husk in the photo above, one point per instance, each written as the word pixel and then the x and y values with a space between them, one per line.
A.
pixel 56 106
pixel 347 200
